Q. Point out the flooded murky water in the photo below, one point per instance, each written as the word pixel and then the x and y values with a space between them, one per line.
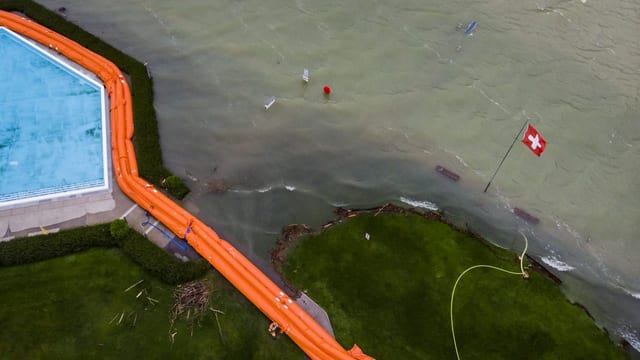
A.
pixel 410 91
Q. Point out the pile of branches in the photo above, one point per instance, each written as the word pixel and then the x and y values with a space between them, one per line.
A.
pixel 191 302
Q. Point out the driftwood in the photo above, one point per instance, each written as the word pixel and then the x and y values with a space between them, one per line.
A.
pixel 216 312
pixel 191 302
pixel 134 285
pixel 289 234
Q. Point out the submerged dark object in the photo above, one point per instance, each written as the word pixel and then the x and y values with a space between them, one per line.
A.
pixel 526 216
pixel 448 173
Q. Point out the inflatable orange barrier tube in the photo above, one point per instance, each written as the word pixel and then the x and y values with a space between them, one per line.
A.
pixel 249 280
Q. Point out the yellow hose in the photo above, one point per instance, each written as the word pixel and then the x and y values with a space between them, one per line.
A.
pixel 522 272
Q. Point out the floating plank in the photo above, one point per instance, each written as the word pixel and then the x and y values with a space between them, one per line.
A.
pixel 526 216
pixel 269 102
pixel 448 173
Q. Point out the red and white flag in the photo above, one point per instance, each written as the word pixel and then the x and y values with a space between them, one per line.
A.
pixel 534 141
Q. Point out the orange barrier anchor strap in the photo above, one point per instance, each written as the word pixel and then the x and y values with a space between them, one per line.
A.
pixel 357 353
pixel 188 229
pixel 273 327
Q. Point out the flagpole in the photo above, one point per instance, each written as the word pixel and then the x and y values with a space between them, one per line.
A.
pixel 505 155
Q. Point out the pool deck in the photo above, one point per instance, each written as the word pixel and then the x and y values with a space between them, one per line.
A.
pixel 88 209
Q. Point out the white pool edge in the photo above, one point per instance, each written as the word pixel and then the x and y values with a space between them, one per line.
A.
pixel 106 158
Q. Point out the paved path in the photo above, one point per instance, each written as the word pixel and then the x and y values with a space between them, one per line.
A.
pixel 89 209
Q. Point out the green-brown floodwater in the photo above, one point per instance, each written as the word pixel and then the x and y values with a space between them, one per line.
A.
pixel 410 91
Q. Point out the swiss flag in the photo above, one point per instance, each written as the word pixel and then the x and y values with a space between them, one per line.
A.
pixel 534 141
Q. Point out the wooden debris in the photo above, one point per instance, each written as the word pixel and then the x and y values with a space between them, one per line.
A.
pixel 134 285
pixel 216 312
pixel 381 208
pixel 526 216
pixel 219 327
pixel 191 302
pixel 289 234
pixel 448 173
pixel 292 232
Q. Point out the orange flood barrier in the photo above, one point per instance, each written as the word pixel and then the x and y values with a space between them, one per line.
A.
pixel 257 287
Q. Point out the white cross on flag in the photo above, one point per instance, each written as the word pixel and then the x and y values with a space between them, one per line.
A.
pixel 534 141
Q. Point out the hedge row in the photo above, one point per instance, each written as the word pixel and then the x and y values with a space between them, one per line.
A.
pixel 147 143
pixel 38 248
pixel 158 263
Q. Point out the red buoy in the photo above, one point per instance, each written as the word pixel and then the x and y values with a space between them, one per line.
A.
pixel 327 90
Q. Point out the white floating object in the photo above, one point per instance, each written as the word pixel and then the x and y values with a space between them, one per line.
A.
pixel 367 236
pixel 269 102
pixel 305 75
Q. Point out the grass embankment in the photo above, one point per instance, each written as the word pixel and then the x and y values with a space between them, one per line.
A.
pixel 69 308
pixel 391 295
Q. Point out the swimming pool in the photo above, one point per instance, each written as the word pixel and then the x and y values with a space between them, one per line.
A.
pixel 53 125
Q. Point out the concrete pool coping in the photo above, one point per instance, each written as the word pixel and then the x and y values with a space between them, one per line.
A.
pixel 79 72
pixel 88 209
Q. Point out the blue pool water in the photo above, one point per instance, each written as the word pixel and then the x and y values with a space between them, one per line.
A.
pixel 52 125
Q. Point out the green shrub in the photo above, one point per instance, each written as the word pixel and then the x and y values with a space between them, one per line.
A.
pixel 119 229
pixel 153 259
pixel 38 248
pixel 176 187
pixel 161 264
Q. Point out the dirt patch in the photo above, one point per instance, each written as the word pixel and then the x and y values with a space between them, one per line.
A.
pixel 535 265
pixel 289 234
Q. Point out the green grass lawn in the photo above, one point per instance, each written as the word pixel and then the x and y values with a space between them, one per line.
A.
pixel 68 308
pixel 391 295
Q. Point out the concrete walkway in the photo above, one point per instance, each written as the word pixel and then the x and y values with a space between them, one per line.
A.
pixel 89 209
